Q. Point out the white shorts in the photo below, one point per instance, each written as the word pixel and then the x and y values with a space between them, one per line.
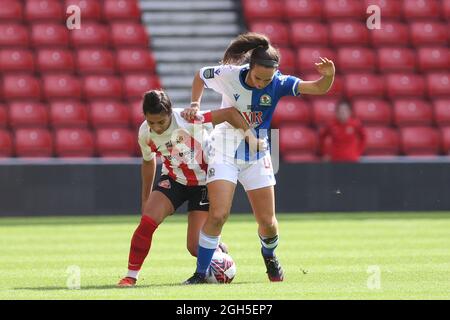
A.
pixel 255 175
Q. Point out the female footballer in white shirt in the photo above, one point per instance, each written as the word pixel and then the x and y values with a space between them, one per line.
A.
pixel 254 89
pixel 180 144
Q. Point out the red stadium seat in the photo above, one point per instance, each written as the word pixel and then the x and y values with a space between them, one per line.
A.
pixel 49 34
pixel 33 142
pixel 109 87
pixel 137 115
pixel 442 111
pixel 372 111
pixel 428 33
pixel 6 144
pixel 3 116
pixel 135 60
pixel 405 85
pixel 92 34
pixel 74 142
pixel 438 84
pixel 446 9
pixel 334 9
pixel 355 59
pixel 303 9
pixel 416 141
pixel 343 33
pixel 381 141
pixel 68 113
pixel 277 32
pixel 109 114
pixel 21 86
pixel 16 60
pixel 90 10
pixel 44 10
pixel 13 35
pixel 357 85
pixel 323 110
pixel 288 63
pixel 434 58
pixel 121 9
pixel 305 33
pixel 445 139
pixel 396 59
pixel 95 61
pixel 115 142
pixel 412 112
pixel 55 60
pixel 262 9
pixel 136 85
pixel 298 138
pixel 308 56
pixel 129 34
pixel 418 9
pixel 11 10
pixel 389 9
pixel 58 86
pixel 28 114
pixel 392 33
pixel 291 110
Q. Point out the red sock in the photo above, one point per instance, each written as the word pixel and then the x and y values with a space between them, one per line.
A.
pixel 141 243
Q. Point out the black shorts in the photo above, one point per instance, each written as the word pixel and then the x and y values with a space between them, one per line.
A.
pixel 197 196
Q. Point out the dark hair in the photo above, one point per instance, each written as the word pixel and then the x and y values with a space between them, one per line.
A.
pixel 156 102
pixel 253 48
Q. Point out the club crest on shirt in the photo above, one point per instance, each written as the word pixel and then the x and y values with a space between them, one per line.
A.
pixel 164 184
pixel 208 73
pixel 211 172
pixel 265 100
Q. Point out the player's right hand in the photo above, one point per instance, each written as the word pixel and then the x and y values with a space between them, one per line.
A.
pixel 190 113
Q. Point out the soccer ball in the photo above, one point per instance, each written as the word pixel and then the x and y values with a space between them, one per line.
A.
pixel 222 268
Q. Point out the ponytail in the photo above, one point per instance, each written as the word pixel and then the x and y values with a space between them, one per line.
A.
pixel 240 50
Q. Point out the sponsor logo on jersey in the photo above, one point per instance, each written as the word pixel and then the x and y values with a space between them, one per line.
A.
pixel 217 71
pixel 236 96
pixel 165 184
pixel 208 73
pixel 265 100
pixel 253 118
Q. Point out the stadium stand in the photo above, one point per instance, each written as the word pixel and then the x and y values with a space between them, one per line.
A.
pixel 90 80
pixel 397 78
pixel 70 93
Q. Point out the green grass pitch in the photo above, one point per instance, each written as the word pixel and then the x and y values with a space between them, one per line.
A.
pixel 325 256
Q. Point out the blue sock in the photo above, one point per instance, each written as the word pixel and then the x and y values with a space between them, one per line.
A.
pixel 206 247
pixel 268 245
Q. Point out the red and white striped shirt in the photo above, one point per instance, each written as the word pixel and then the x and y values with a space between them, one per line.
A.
pixel 180 147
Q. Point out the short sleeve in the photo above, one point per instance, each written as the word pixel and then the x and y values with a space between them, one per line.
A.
pixel 147 153
pixel 288 86
pixel 213 77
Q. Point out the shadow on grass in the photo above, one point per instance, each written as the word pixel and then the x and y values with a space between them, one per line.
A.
pixel 114 287
pixel 101 287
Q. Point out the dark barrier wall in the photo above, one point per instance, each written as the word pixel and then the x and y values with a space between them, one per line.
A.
pixel 84 189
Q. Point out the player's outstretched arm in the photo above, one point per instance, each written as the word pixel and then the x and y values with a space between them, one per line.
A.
pixel 235 118
pixel 322 85
pixel 148 170
pixel 196 97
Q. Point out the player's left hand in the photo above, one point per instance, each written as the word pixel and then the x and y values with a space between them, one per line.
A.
pixel 325 67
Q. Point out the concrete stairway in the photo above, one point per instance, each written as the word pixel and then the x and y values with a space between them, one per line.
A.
pixel 187 35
